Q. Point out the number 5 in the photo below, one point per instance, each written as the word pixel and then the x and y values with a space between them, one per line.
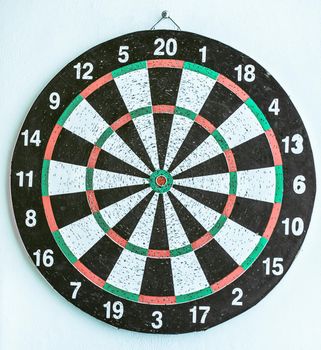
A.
pixel 123 55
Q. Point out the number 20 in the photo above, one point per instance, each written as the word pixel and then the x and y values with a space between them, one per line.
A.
pixel 169 45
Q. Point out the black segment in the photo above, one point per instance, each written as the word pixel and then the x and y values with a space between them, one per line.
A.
pixel 113 195
pixel 164 85
pixel 126 226
pixel 243 214
pixel 69 208
pixel 72 149
pixel 152 283
pixel 216 165
pixel 221 103
pixel 193 229
pixel 108 102
pixel 215 262
pixel 130 136
pixel 163 123
pixel 215 201
pixel 158 238
pixel 194 138
pixel 246 154
pixel 102 257
pixel 106 161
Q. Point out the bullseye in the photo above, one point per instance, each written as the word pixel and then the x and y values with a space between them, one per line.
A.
pixel 161 181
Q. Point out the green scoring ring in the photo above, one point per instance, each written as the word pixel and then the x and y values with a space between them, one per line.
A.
pixel 153 181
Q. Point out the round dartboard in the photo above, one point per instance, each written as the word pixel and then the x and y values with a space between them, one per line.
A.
pixel 163 182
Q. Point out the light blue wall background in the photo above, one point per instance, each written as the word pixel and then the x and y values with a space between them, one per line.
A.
pixel 37 38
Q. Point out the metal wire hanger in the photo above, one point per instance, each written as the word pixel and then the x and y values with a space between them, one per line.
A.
pixel 165 16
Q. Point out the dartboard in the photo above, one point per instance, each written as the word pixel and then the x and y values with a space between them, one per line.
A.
pixel 163 182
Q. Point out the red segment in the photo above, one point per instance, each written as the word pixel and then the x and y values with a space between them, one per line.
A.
pixel 158 253
pixel 116 238
pixel 161 181
pixel 93 157
pixel 272 221
pixel 202 241
pixel 275 149
pixel 229 156
pixel 165 64
pixel 233 87
pixel 89 274
pixel 121 121
pixel 92 201
pixel 164 109
pixel 49 213
pixel 207 125
pixel 227 279
pixel 96 85
pixel 229 205
pixel 52 141
pixel 147 299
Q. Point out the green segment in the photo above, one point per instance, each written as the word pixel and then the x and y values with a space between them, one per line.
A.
pixel 219 224
pixel 258 113
pixel 256 252
pixel 233 182
pixel 183 250
pixel 62 245
pixel 185 112
pixel 66 113
pixel 104 136
pixel 121 293
pixel 220 140
pixel 136 249
pixel 89 178
pixel 278 184
pixel 126 69
pixel 164 188
pixel 192 296
pixel 44 177
pixel 101 222
pixel 201 69
pixel 141 111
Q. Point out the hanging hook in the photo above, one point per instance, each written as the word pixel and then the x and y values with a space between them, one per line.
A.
pixel 165 16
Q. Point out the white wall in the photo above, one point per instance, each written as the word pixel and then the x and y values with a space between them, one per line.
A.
pixel 37 38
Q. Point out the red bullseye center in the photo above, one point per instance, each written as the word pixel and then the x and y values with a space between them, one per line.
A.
pixel 161 180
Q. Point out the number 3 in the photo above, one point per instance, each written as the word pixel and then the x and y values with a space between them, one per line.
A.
pixel 158 321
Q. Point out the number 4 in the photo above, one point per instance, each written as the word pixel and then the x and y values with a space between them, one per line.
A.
pixel 274 107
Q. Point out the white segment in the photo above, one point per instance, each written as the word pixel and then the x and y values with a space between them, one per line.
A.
pixel 128 272
pixel 257 184
pixel 119 149
pixel 143 230
pixel 237 240
pixel 188 275
pixel 179 130
pixel 194 90
pixel 214 183
pixel 81 235
pixel 175 232
pixel 146 130
pixel 134 89
pixel 240 127
pixel 206 216
pixel 208 149
pixel 116 211
pixel 66 178
pixel 85 122
pixel 103 179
